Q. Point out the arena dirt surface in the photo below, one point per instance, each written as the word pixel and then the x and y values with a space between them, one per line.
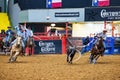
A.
pixel 55 67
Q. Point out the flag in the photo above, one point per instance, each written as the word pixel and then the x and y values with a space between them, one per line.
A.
pixel 104 2
pixel 100 3
pixel 94 2
pixel 53 3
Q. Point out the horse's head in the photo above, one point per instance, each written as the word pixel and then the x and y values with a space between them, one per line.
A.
pixel 30 41
pixel 100 41
pixel 19 41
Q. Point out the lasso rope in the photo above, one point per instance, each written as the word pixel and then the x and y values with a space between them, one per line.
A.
pixel 36 37
pixel 78 56
pixel 78 51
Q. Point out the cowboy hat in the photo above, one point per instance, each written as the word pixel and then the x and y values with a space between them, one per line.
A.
pixel 9 27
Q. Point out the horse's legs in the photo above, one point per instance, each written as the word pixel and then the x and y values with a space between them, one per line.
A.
pixel 91 58
pixel 11 55
pixel 32 51
pixel 15 56
pixel 95 58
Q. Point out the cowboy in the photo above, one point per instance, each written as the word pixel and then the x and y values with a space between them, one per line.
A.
pixel 19 33
pixel 28 37
pixel 30 32
pixel 9 34
pixel 104 36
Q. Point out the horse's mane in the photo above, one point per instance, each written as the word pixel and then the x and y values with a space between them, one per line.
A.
pixel 18 40
pixel 100 42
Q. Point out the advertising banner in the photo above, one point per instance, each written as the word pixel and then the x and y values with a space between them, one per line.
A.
pixel 102 14
pixel 48 46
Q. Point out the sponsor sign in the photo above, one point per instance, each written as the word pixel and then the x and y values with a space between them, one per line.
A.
pixel 67 14
pixel 102 14
pixel 48 46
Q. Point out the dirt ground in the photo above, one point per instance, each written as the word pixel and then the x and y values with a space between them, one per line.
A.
pixel 55 67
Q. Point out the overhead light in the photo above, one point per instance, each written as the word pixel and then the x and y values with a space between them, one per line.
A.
pixel 53 25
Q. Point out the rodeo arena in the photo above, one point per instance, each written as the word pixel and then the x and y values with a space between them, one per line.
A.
pixel 59 40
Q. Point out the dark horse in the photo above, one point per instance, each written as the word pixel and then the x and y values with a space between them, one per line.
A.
pixel 97 50
pixel 30 46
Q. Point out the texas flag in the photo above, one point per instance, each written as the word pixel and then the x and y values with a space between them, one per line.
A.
pixel 53 3
pixel 100 2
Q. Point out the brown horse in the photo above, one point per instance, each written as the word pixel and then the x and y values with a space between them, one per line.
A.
pixel 30 46
pixel 16 49
pixel 97 50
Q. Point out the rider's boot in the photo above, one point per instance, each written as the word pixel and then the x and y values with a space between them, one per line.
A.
pixel 23 51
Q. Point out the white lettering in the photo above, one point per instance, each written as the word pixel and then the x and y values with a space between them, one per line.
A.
pixel 105 14
pixel 47 47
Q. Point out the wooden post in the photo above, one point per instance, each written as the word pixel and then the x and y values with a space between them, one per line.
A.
pixel 104 24
pixel 113 29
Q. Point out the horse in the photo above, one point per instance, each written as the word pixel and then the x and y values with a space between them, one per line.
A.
pixel 97 50
pixel 16 49
pixel 30 46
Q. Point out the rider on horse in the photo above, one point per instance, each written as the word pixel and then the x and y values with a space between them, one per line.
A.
pixel 29 33
pixel 98 47
pixel 104 36
pixel 20 32
pixel 29 42
pixel 9 34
